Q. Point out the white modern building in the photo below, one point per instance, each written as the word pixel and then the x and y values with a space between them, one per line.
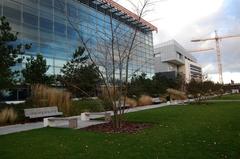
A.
pixel 172 59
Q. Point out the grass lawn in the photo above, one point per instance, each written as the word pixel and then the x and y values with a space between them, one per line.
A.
pixel 229 97
pixel 179 132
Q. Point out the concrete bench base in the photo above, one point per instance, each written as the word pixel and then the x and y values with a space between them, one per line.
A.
pixel 72 122
pixel 87 115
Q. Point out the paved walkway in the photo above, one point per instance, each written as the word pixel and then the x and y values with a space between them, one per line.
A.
pixel 81 124
pixel 223 100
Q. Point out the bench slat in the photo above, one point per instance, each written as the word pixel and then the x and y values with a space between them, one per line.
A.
pixel 97 113
pixel 66 118
pixel 42 112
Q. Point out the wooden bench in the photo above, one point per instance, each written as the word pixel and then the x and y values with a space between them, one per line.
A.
pixel 72 121
pixel 42 112
pixel 89 115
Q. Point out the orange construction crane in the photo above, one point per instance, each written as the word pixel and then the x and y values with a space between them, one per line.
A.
pixel 217 39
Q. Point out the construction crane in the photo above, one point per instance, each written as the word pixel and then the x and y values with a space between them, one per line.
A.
pixel 200 50
pixel 190 51
pixel 217 39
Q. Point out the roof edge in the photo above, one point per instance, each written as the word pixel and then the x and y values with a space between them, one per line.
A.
pixel 130 14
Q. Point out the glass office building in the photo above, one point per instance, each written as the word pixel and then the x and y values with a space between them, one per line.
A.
pixel 50 26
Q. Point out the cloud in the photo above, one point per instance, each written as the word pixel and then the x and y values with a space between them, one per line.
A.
pixel 184 20
pixel 227 77
pixel 209 68
pixel 227 21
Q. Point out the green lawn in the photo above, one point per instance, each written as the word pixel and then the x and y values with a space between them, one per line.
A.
pixel 229 97
pixel 179 132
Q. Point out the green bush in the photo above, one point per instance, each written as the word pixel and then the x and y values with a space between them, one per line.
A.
pixel 87 105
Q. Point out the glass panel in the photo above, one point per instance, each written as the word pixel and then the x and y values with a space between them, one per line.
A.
pixel 35 47
pixel 12 13
pixel 30 19
pixel 59 5
pixel 46 37
pixel 31 3
pixel 0 8
pixel 46 24
pixel 72 34
pixel 46 3
pixel 59 28
pixel 44 48
pixel 72 10
pixel 29 32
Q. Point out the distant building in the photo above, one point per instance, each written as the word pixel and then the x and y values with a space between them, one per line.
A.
pixel 172 59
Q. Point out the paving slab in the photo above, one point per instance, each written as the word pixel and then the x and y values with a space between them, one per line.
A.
pixel 20 127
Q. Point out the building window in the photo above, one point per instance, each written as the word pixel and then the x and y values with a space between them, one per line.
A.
pixel 179 55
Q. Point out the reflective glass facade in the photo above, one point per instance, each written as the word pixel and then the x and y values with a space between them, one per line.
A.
pixel 44 24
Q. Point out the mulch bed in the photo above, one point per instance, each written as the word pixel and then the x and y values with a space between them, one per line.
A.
pixel 126 127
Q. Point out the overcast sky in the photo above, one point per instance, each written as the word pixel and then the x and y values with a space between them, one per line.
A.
pixel 184 20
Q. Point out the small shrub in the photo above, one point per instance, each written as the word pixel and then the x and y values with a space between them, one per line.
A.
pixel 104 93
pixel 4 116
pixel 144 100
pixel 8 115
pixel 104 96
pixel 177 95
pixel 131 102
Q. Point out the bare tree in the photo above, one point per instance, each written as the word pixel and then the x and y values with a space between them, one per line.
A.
pixel 117 46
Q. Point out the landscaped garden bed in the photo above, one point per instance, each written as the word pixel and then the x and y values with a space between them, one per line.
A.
pixel 126 127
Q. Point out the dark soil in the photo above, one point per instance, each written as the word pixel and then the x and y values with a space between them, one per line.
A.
pixel 126 127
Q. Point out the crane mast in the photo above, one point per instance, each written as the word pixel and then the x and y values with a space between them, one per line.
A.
pixel 219 59
pixel 218 50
